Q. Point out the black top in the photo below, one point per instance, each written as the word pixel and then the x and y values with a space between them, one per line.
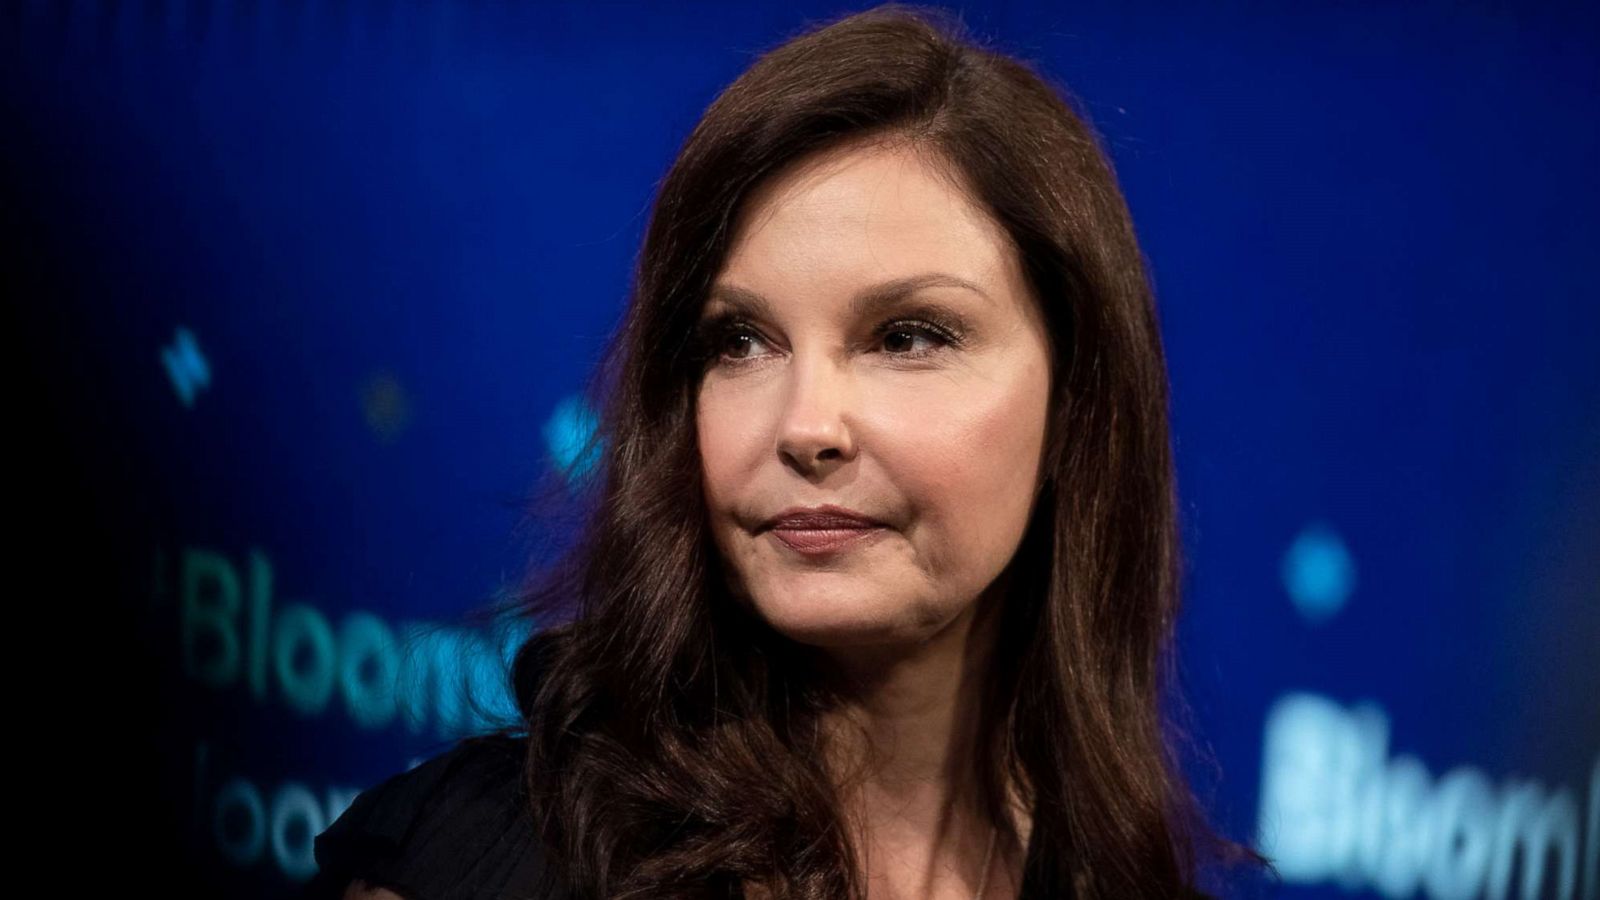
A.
pixel 455 827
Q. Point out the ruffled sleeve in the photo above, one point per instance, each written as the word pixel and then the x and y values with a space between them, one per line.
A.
pixel 455 827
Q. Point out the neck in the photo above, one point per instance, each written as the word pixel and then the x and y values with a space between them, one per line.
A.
pixel 903 744
pixel 909 714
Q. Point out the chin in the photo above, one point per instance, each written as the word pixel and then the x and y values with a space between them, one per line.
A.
pixel 822 624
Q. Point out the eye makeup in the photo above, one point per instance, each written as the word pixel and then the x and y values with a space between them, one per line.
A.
pixel 934 322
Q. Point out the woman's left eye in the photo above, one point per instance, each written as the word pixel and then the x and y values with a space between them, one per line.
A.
pixel 905 332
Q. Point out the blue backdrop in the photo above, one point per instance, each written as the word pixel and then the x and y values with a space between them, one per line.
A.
pixel 304 292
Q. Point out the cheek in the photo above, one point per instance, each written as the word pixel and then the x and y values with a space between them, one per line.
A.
pixel 716 466
pixel 972 469
pixel 724 438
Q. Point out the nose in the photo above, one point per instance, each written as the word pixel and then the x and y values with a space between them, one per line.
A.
pixel 813 435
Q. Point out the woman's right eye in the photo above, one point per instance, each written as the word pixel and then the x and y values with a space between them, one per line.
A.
pixel 723 339
pixel 736 338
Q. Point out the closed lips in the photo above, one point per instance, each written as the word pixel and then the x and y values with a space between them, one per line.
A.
pixel 820 524
pixel 817 534
pixel 822 519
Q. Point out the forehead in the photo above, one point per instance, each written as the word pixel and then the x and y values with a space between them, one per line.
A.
pixel 864 213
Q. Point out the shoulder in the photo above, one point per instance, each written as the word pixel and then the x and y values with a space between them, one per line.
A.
pixel 455 826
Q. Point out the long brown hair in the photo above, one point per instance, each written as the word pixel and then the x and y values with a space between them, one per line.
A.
pixel 672 740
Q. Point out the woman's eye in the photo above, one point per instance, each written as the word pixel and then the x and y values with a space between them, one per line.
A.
pixel 906 338
pixel 734 339
pixel 904 333
pixel 735 343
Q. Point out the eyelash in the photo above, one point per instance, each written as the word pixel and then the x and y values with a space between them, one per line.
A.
pixel 710 335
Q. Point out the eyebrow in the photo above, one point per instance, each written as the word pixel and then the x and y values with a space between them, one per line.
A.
pixel 863 304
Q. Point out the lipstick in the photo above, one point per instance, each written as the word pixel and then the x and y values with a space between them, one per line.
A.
pixel 824 541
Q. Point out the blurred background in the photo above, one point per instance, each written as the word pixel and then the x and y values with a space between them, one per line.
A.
pixel 302 293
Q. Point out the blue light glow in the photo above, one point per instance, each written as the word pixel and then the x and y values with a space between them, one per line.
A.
pixel 1318 573
pixel 569 429
pixel 186 366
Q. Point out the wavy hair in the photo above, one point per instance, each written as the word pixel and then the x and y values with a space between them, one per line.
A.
pixel 672 736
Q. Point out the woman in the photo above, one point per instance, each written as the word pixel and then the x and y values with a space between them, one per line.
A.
pixel 878 592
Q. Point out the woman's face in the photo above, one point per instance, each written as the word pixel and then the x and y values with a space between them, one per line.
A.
pixel 832 388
